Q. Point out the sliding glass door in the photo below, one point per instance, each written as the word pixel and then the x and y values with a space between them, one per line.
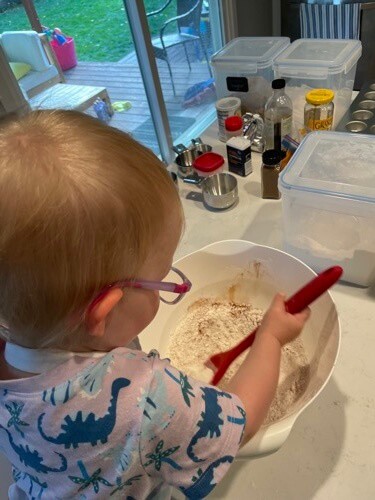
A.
pixel 151 55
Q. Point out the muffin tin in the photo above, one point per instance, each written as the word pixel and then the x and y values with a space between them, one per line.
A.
pixel 360 117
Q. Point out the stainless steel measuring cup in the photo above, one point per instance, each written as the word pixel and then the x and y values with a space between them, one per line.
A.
pixel 186 156
pixel 219 191
pixel 199 146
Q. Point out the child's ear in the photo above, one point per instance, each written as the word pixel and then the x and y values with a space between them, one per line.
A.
pixel 97 317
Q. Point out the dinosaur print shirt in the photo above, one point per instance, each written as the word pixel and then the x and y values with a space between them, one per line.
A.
pixel 127 425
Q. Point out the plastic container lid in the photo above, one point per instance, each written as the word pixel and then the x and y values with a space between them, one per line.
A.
pixel 228 104
pixel 250 52
pixel 333 163
pixel 208 162
pixel 320 96
pixel 233 123
pixel 316 58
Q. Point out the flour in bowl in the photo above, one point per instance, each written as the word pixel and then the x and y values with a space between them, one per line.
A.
pixel 215 325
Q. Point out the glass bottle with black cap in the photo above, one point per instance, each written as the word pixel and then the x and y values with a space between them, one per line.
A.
pixel 278 116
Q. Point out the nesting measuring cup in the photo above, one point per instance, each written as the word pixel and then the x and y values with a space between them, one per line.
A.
pixel 185 159
pixel 219 191
pixel 186 156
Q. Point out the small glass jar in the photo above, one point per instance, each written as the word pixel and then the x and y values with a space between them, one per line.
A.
pixel 319 109
pixel 270 170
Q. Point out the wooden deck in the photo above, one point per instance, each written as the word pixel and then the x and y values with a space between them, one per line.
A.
pixel 124 83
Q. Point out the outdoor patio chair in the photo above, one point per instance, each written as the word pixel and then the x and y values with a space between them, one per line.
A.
pixel 44 85
pixel 188 24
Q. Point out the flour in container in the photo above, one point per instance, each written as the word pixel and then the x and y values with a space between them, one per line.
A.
pixel 215 325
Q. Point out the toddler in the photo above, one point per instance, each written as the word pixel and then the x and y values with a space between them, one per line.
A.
pixel 89 223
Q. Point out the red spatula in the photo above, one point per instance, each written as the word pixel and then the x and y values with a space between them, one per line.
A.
pixel 296 303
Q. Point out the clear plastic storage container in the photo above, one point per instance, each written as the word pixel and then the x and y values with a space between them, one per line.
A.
pixel 244 68
pixel 328 200
pixel 311 63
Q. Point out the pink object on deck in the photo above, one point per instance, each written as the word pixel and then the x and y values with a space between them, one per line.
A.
pixel 66 53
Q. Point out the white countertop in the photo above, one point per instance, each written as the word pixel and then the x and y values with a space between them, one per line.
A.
pixel 330 453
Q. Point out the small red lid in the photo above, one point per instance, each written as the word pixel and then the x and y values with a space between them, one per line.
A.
pixel 233 123
pixel 208 162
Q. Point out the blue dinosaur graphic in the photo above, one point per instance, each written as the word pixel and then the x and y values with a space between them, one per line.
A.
pixel 204 484
pixel 17 475
pixel 33 459
pixel 88 430
pixel 186 388
pixel 211 423
pixel 239 420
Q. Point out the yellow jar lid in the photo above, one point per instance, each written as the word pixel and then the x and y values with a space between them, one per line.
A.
pixel 320 96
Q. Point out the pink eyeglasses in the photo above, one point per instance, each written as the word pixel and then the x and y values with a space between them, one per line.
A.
pixel 164 286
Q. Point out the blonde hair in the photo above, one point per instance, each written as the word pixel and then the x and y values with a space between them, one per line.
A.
pixel 81 204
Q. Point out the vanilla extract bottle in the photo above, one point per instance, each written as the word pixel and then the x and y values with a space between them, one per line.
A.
pixel 278 116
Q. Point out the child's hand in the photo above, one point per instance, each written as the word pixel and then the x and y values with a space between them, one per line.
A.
pixel 280 324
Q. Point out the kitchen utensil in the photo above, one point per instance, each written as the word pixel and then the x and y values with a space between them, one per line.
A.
pixel 184 159
pixel 219 191
pixel 245 269
pixel 295 304
pixel 199 146
pixel 186 156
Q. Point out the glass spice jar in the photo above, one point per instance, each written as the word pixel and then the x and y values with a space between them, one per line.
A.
pixel 270 170
pixel 319 109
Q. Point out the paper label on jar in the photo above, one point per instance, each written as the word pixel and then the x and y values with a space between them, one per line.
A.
pixel 320 124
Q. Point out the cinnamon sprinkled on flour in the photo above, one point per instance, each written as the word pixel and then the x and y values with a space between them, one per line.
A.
pixel 214 325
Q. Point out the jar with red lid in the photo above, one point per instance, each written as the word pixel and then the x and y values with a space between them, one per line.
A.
pixel 208 164
pixel 233 126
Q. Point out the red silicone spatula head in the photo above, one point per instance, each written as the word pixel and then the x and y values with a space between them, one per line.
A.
pixel 296 303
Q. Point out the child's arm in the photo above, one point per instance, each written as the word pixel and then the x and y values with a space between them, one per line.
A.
pixel 256 380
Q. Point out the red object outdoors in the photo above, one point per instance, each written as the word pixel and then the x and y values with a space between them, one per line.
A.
pixel 208 162
pixel 66 53
pixel 296 303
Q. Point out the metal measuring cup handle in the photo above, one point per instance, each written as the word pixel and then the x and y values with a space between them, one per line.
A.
pixel 193 179
pixel 197 141
pixel 180 148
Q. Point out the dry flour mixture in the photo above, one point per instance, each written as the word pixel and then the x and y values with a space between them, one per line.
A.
pixel 211 326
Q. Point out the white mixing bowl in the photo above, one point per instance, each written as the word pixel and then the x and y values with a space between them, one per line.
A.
pixel 257 272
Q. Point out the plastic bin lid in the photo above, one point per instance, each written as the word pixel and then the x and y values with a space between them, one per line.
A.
pixel 251 51
pixel 333 163
pixel 327 55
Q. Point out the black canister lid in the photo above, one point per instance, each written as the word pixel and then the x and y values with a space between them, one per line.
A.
pixel 278 84
pixel 273 156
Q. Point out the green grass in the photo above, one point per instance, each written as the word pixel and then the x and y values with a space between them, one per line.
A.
pixel 100 27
